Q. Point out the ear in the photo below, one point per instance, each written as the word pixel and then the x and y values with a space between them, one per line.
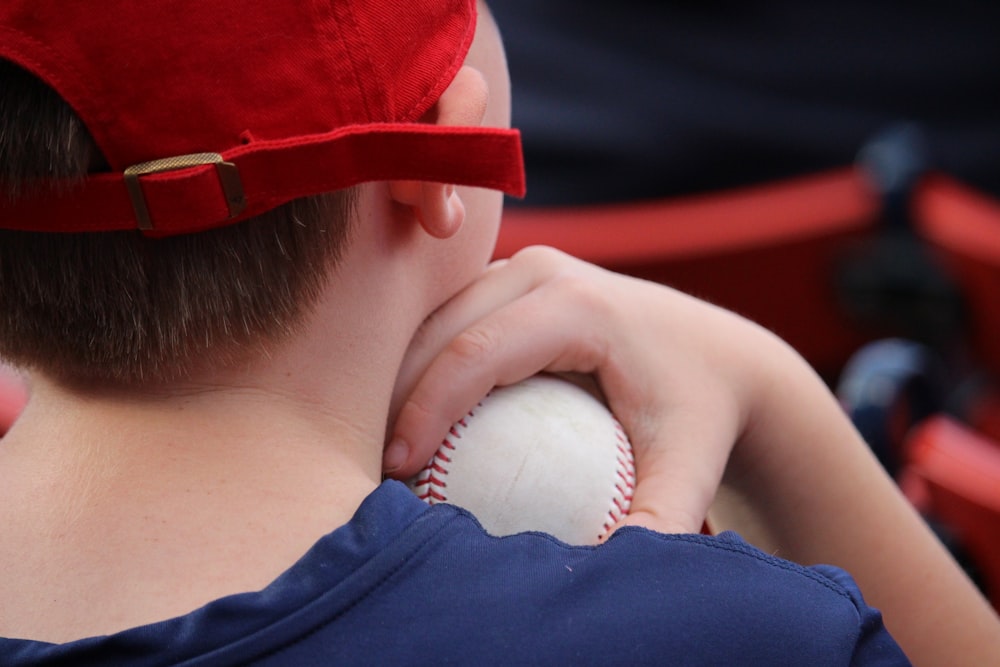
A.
pixel 437 206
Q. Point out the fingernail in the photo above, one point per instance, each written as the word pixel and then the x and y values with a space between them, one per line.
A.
pixel 394 456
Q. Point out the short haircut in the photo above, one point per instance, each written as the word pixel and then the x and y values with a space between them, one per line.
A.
pixel 122 309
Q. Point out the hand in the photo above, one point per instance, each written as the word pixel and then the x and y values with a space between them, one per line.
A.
pixel 706 397
pixel 677 372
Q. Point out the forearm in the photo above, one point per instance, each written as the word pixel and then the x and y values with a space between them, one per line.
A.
pixel 689 380
pixel 803 484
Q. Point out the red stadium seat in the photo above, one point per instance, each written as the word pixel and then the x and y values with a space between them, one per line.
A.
pixel 769 252
pixel 964 226
pixel 955 474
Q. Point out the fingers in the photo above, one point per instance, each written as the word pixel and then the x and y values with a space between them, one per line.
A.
pixel 495 289
pixel 656 353
pixel 678 471
pixel 494 351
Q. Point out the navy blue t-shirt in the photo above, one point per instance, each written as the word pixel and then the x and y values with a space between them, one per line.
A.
pixel 402 583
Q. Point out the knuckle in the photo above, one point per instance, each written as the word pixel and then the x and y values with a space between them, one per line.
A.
pixel 473 346
pixel 413 419
pixel 422 422
pixel 415 412
pixel 542 257
pixel 583 292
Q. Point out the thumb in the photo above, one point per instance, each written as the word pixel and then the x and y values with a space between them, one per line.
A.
pixel 678 475
pixel 666 504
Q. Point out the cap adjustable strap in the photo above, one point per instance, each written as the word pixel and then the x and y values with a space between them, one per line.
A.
pixel 229 178
pixel 191 193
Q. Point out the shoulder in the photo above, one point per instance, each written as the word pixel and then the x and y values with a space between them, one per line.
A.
pixel 640 596
pixel 406 584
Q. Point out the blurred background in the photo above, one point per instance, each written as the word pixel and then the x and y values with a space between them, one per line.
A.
pixel 828 169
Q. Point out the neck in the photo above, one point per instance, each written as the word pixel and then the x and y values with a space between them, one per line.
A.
pixel 187 498
pixel 158 501
pixel 297 427
pixel 194 491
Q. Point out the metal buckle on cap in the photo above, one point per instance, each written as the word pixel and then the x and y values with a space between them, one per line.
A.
pixel 229 178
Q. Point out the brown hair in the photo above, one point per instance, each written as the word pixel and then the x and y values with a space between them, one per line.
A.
pixel 118 308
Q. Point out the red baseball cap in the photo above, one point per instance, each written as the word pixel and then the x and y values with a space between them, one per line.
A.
pixel 211 112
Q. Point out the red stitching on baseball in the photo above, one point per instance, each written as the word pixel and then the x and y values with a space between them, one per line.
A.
pixel 622 502
pixel 432 497
pixel 425 483
pixel 429 487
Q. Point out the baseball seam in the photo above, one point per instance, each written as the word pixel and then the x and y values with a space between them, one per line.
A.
pixel 621 498
pixel 431 485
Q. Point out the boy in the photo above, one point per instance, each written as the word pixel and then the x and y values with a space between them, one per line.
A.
pixel 197 475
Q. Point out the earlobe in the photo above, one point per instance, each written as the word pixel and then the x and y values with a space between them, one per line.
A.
pixel 443 212
pixel 438 207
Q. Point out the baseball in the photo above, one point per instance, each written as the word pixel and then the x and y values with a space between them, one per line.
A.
pixel 540 455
